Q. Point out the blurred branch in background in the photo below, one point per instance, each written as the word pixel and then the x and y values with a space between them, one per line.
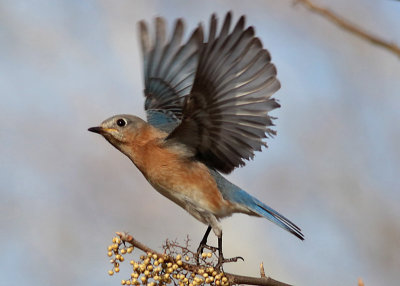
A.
pixel 348 26
pixel 176 266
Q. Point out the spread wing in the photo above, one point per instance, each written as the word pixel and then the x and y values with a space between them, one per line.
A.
pixel 169 70
pixel 225 117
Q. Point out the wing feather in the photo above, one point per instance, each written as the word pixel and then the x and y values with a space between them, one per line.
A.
pixel 225 117
pixel 169 70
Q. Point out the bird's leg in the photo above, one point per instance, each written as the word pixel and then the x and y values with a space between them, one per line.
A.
pixel 203 244
pixel 221 259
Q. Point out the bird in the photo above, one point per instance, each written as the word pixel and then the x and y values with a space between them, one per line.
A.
pixel 207 105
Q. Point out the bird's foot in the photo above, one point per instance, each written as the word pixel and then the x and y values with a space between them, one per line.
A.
pixel 222 260
pixel 200 249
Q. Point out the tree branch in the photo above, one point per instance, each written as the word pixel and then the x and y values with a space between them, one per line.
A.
pixel 350 27
pixel 232 278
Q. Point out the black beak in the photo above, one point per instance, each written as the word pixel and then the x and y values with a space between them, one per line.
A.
pixel 96 130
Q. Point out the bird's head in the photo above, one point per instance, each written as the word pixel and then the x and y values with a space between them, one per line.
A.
pixel 120 130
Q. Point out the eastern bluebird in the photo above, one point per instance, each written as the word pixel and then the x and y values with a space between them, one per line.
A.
pixel 207 105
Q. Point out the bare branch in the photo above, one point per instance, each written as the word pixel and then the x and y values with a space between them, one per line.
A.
pixel 232 278
pixel 350 27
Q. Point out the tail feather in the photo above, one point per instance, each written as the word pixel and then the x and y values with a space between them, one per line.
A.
pixel 272 215
pixel 233 193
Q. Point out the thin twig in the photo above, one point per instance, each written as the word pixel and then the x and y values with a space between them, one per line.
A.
pixel 233 278
pixel 350 27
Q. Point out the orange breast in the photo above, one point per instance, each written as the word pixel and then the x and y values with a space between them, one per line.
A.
pixel 176 177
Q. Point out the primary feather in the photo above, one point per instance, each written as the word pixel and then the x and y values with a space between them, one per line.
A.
pixel 225 116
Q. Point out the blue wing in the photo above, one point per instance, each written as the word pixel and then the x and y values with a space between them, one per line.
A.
pixel 169 70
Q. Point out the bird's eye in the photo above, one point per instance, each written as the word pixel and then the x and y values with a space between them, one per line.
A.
pixel 121 122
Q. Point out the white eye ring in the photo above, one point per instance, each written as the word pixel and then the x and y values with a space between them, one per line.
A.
pixel 121 122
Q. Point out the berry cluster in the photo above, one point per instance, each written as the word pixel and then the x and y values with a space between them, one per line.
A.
pixel 155 270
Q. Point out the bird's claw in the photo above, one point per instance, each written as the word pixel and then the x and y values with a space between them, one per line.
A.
pixel 222 260
pixel 200 249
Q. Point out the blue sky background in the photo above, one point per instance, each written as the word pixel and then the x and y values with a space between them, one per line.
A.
pixel 333 168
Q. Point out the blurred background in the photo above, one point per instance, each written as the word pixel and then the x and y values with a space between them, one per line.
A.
pixel 333 168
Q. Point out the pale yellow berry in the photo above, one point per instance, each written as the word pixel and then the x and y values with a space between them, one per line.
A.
pixel 224 279
pixel 132 262
pixel 214 273
pixel 179 262
pixel 209 255
pixel 166 276
pixel 128 282
pixel 160 260
pixel 143 278
pixel 178 257
pixel 134 281
pixel 175 266
pixel 123 251
pixel 110 253
pixel 156 263
pixel 154 256
pixel 150 267
pixel 130 249
pixel 187 258
pixel 116 269
pixel 109 248
pixel 205 275
pixel 149 254
pixel 110 272
pixel 217 282
pixel 204 255
pixel 121 258
pixel 123 282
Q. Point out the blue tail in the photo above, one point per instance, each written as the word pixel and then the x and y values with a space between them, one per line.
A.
pixel 233 193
